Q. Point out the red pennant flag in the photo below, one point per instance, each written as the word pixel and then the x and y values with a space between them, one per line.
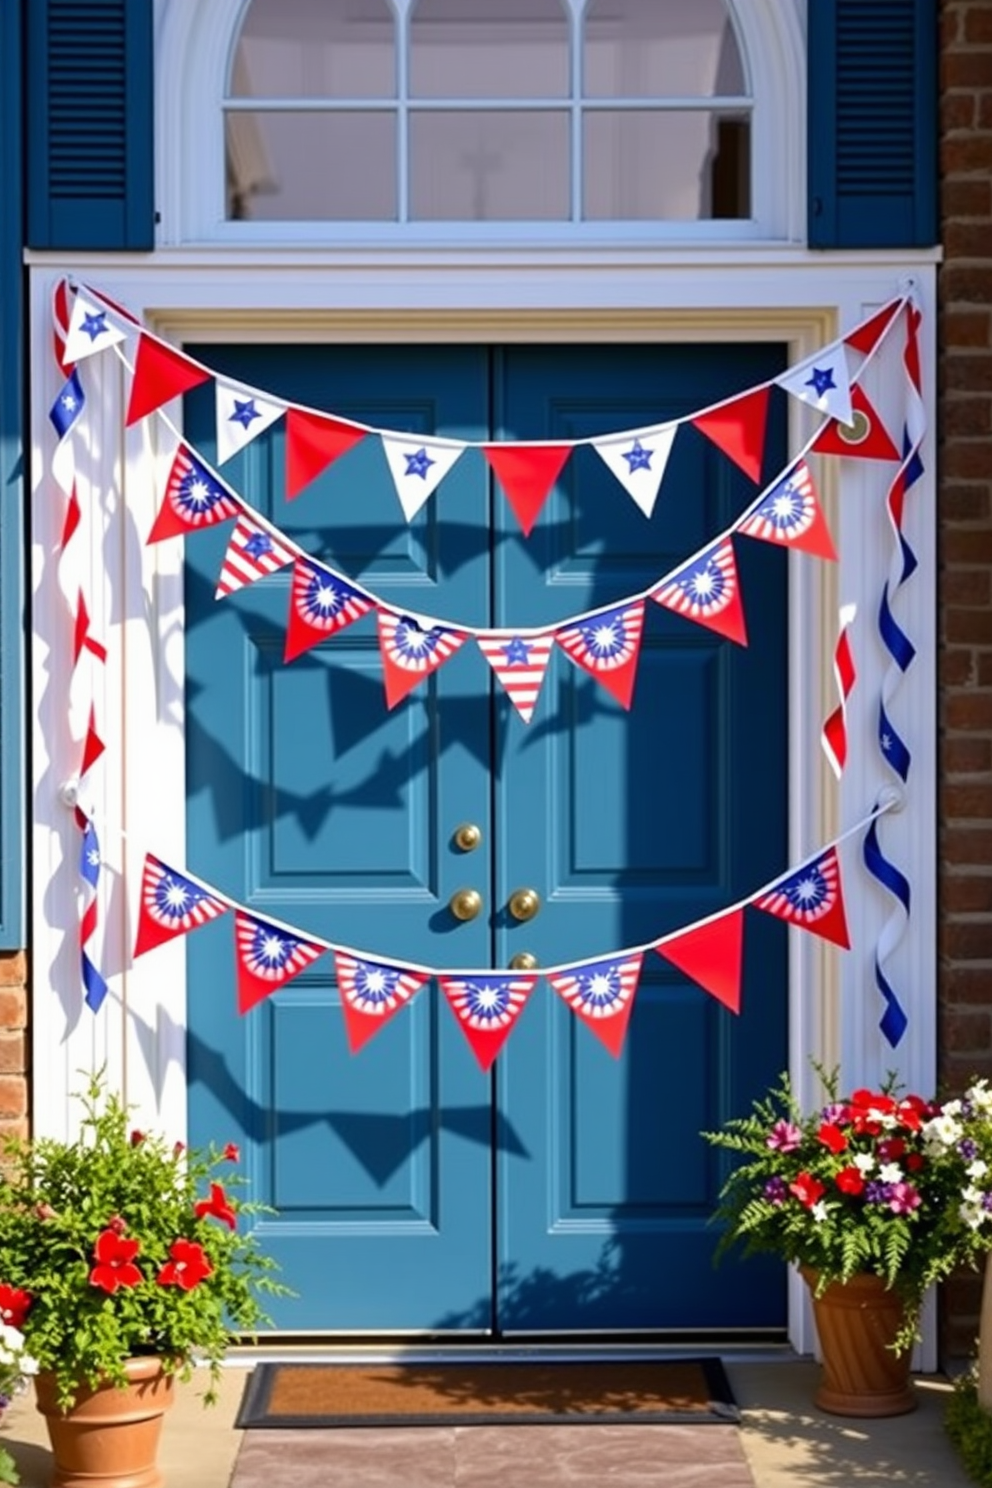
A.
pixel 607 646
pixel 865 337
pixel 865 437
pixel 171 905
pixel 321 603
pixel 527 472
pixel 711 956
pixel 791 514
pixel 410 653
pixel 812 898
pixel 487 1006
pixel 313 441
pixel 707 590
pixel 738 429
pixel 371 993
pixel 160 373
pixel 93 745
pixel 602 994
pixel 268 957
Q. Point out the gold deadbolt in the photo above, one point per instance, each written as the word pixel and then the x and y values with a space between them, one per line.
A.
pixel 524 904
pixel 467 837
pixel 523 961
pixel 465 904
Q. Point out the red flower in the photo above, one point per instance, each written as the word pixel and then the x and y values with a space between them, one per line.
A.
pixel 850 1181
pixel 117 1224
pixel 232 1152
pixel 178 1148
pixel 216 1205
pixel 831 1136
pixel 807 1189
pixel 912 1112
pixel 115 1262
pixel 188 1267
pixel 14 1305
pixel 137 1137
pixel 915 1161
pixel 891 1149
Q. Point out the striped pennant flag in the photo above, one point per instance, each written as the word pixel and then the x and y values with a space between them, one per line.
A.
pixel 371 993
pixel 487 1006
pixel 253 553
pixel 520 663
pixel 171 905
pixel 602 994
pixel 268 957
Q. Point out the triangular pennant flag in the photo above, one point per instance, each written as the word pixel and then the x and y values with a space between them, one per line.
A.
pixel 602 994
pixel 193 499
pixel 823 381
pixel 242 414
pixel 313 440
pixel 160 374
pixel 790 513
pixel 520 663
pixel 706 589
pixel 710 955
pixel 417 466
pixel 865 437
pixel 93 745
pixel 254 552
pixel 865 337
pixel 171 905
pixel 90 329
pixel 638 459
pixel 738 428
pixel 812 898
pixel 527 472
pixel 607 645
pixel 487 1006
pixel 371 992
pixel 321 603
pixel 410 653
pixel 268 957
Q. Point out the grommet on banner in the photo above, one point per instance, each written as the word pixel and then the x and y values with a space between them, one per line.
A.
pixel 69 793
pixel 891 798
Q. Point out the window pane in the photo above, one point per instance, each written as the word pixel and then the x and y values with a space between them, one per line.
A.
pixel 489 49
pixel 677 164
pixel 489 167
pixel 660 49
pixel 303 167
pixel 316 49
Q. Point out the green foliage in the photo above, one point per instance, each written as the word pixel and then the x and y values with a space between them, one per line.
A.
pixel 8 1471
pixel 84 1321
pixel 970 1429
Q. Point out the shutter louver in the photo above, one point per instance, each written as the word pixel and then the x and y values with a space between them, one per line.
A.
pixel 872 124
pixel 90 124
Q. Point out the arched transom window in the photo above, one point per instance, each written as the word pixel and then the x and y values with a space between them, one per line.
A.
pixel 488 110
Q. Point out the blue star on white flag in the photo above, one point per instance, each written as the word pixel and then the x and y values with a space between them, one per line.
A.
pixel 92 328
pixel 242 414
pixel 638 459
pixel 418 466
pixel 823 381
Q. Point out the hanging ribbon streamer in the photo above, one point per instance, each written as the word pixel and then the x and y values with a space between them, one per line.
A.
pixel 834 735
pixel 901 651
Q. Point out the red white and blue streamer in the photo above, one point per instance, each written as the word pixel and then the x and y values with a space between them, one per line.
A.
pixel 834 735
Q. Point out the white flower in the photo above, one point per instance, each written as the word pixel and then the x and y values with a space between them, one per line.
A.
pixel 890 1173
pixel 942 1131
pixel 977 1169
pixel 972 1215
pixel 972 1195
pixel 981 1097
pixel 952 1108
pixel 864 1162
pixel 819 1211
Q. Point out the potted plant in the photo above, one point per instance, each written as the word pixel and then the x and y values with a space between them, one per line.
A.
pixel 123 1264
pixel 875 1196
pixel 16 1364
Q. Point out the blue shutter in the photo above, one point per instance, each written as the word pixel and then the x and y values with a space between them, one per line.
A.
pixel 872 123
pixel 89 123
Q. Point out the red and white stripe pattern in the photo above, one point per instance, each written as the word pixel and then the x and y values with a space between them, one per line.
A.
pixel 834 735
pixel 520 663
pixel 410 652
pixel 254 552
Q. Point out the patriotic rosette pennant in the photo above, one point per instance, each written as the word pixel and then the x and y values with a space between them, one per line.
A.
pixel 418 467
pixel 638 461
pixel 268 957
pixel 91 329
pixel 607 645
pixel 823 381
pixel 241 415
pixel 487 1006
pixel 160 374
pixel 321 603
pixel 738 429
pixel 711 955
pixel 706 589
pixel 172 904
pixel 601 993
pixel 520 662
pixel 790 513
pixel 410 653
pixel 865 436
pixel 313 441
pixel 194 498
pixel 254 551
pixel 527 472
pixel 371 993
pixel 811 897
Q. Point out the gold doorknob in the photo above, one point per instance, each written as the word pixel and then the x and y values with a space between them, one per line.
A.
pixel 524 904
pixel 465 904
pixel 523 961
pixel 468 836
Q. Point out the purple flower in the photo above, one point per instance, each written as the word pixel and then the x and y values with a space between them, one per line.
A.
pixel 877 1192
pixel 4 1402
pixel 776 1190
pixel 987 1201
pixel 903 1198
pixel 968 1148
pixel 784 1137
pixel 833 1114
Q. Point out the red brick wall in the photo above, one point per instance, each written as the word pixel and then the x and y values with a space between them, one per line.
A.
pixel 965 592
pixel 13 1044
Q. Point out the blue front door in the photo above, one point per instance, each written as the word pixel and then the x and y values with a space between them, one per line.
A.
pixel 568 1190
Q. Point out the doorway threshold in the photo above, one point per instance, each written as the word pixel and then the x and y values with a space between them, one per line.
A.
pixel 588 1349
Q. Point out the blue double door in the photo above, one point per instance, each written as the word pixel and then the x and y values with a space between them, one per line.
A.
pixel 566 1190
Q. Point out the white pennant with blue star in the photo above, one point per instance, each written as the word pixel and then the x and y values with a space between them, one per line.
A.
pixel 418 466
pixel 241 416
pixel 823 381
pixel 91 328
pixel 638 459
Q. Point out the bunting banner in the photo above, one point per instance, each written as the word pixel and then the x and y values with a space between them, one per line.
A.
pixel 194 498
pixel 254 551
pixel 172 904
pixel 321 604
pixel 834 734
pixel 91 329
pixel 160 374
pixel 241 415
pixel 371 992
pixel 811 898
pixel 527 472
pixel 418 467
pixel 789 512
pixel 268 957
pixel 638 461
pixel 601 993
pixel 411 653
pixel 711 954
pixel 607 646
pixel 487 1006
pixel 520 663
pixel 314 441
pixel 823 381
pixel 706 589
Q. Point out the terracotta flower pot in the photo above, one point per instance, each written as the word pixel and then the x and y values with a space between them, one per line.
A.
pixel 109 1439
pixel 857 1322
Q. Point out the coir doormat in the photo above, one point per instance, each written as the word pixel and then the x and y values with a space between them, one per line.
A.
pixel 677 1392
